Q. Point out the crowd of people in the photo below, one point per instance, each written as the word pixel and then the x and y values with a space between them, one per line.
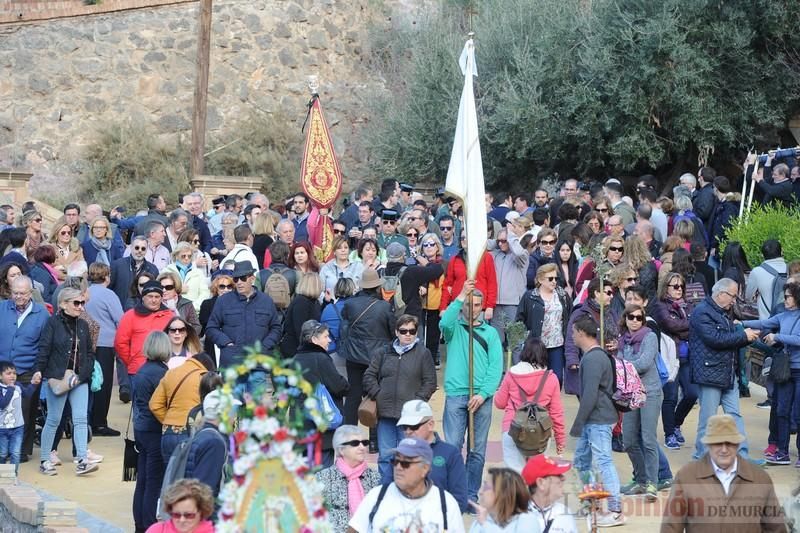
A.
pixel 160 302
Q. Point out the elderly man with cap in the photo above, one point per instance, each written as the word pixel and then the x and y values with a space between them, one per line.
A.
pixel 411 277
pixel 242 317
pixel 388 230
pixel 722 491
pixel 544 476
pixel 447 470
pixel 412 502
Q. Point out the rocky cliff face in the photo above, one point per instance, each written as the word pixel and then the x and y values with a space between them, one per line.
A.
pixel 61 79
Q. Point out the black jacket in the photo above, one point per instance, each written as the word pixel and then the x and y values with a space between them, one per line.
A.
pixel 318 367
pixel 725 212
pixel 531 311
pixel 713 345
pixel 123 272
pixel 369 335
pixel 704 204
pixel 57 344
pixel 147 379
pixel 413 278
pixel 205 312
pixel 393 379
pixel 301 309
pixel 777 192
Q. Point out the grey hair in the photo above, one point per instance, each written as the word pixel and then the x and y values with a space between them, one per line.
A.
pixel 195 194
pixel 22 278
pixel 68 293
pixel 138 238
pixel 178 213
pixel 691 178
pixel 157 347
pixel 284 222
pixel 683 203
pixel 342 435
pixel 311 328
pixel 723 285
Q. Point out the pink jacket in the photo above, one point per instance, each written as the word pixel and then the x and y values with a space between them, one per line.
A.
pixel 508 397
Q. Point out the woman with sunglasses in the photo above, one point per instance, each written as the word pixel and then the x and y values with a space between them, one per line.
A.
pixel 190 504
pixel 544 254
pixel 671 313
pixel 68 249
pixel 504 503
pixel 34 236
pixel 412 234
pixel 99 246
pixel 591 307
pixel 317 366
pixel 431 295
pixel 183 340
pixel 202 260
pixel 639 345
pixel 173 299
pixel 602 206
pixel 404 372
pixel 193 280
pixel 613 250
pixel 349 479
pixel 621 277
pixel 545 311
pixel 221 283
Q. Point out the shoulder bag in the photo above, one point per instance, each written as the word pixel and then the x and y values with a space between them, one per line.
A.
pixel 781 369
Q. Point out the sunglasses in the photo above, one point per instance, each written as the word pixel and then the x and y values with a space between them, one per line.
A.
pixel 187 516
pixel 176 330
pixel 602 210
pixel 631 279
pixel 338 232
pixel 429 245
pixel 140 248
pixel 78 303
pixel 414 427
pixel 637 318
pixel 168 287
pixel 387 222
pixel 677 287
pixel 415 235
pixel 446 228
pixel 225 286
pixel 615 249
pixel 404 464
pixel 551 278
pixel 196 241
pixel 66 232
pixel 502 241
pixel 37 220
pixel 407 331
pixel 240 278
pixel 356 443
pixel 547 243
pixel 609 292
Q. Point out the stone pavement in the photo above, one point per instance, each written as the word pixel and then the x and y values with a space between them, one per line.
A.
pixel 104 495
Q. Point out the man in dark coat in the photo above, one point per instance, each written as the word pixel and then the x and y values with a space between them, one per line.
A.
pixel 126 269
pixel 704 201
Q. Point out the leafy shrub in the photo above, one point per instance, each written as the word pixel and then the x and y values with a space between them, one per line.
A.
pixel 764 222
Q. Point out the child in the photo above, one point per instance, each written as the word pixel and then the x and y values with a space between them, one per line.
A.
pixel 12 423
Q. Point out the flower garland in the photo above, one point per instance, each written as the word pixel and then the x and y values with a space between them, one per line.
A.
pixel 265 446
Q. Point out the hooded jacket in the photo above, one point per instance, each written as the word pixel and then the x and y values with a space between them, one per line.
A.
pixel 135 326
pixel 726 210
pixel 456 275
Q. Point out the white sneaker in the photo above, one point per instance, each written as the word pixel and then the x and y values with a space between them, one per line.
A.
pixel 47 468
pixel 91 457
pixel 54 460
pixel 610 519
pixel 84 467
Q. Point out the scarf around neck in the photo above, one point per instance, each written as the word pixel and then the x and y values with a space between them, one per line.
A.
pixel 102 247
pixel 634 340
pixel 355 490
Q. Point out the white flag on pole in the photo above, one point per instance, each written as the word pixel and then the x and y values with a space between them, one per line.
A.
pixel 465 174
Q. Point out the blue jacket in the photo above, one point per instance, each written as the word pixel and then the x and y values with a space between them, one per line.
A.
pixel 331 317
pixel 243 320
pixel 123 275
pixel 21 345
pixel 116 251
pixel 713 345
pixel 147 379
pixel 207 457
pixel 787 326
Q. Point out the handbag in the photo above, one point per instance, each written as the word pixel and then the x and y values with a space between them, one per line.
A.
pixel 70 380
pixel 368 412
pixel 327 407
pixel 781 369
pixel 97 377
pixel 130 459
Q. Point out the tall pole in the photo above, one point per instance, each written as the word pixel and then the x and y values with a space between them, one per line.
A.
pixel 471 315
pixel 744 185
pixel 752 185
pixel 200 111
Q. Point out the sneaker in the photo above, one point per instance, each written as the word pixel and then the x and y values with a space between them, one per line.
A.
pixel 47 468
pixel 632 489
pixel 84 467
pixel 770 456
pixel 672 443
pixel 616 444
pixel 438 364
pixel 664 484
pixel 91 457
pixel 610 519
pixel 678 435
pixel 650 493
pixel 54 460
pixel 778 458
pixel 764 405
pixel 771 449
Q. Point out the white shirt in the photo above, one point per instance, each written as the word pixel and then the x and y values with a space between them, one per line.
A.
pixel 563 521
pixel 396 513
pixel 241 252
pixel 726 478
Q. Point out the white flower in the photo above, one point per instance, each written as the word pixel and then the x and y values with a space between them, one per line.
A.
pixel 292 381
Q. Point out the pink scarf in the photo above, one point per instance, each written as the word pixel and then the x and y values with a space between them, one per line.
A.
pixel 53 272
pixel 355 490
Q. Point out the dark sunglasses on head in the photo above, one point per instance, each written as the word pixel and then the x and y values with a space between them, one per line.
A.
pixel 357 442
pixel 407 331
pixel 176 330
pixel 78 303
pixel 403 463
pixel 187 516
pixel 226 286
pixel 168 287
pixel 637 318
pixel 615 249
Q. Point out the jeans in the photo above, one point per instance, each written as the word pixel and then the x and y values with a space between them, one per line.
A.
pixel 102 398
pixel 512 458
pixel 639 435
pixel 456 417
pixel 670 391
pixel 79 402
pixel 30 411
pixel 689 391
pixel 594 449
pixel 11 445
pixel 355 376
pixel 556 362
pixel 710 399
pixel 389 435
pixel 664 471
pixel 149 475
pixel 170 440
pixel 784 396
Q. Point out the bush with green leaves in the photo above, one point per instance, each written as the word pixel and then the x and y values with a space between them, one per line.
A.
pixel 764 222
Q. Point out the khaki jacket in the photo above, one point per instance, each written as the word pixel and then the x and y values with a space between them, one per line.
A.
pixel 187 397
pixel 698 503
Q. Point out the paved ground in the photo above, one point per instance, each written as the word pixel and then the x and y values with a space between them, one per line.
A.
pixel 104 495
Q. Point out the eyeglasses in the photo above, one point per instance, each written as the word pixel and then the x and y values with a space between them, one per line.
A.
pixel 185 256
pixel 224 286
pixel 78 303
pixel 196 241
pixel 604 210
pixel 185 516
pixel 414 235
pixel 609 292
pixel 241 278
pixel 615 249
pixel 338 232
pixel 502 241
pixel 413 218
pixel 404 464
pixel 429 245
pixel 551 278
pixel 66 232
pixel 140 248
pixel 36 220
pixel 387 222
pixel 631 279
pixel 677 287
pixel 729 294
pixel 356 443
pixel 637 318
pixel 168 287
pixel 414 427
pixel 409 331
pixel 547 243
pixel 177 330
pixel 446 228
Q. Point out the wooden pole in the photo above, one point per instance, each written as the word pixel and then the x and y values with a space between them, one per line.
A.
pixel 471 421
pixel 200 110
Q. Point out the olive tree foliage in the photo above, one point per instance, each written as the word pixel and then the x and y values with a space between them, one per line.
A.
pixel 587 86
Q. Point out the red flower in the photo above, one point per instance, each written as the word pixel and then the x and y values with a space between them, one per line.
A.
pixel 280 435
pixel 302 470
pixel 320 513
pixel 239 437
pixel 260 411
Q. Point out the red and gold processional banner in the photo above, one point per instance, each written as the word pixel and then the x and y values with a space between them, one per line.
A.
pixel 321 179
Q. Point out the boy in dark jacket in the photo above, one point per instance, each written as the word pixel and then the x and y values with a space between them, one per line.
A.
pixel 209 450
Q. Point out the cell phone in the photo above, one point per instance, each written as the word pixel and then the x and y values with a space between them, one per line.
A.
pixel 120 209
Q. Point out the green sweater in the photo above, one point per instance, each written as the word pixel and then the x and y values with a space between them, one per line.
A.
pixel 487 368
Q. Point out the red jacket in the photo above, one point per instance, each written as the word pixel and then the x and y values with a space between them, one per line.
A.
pixel 132 331
pixel 456 275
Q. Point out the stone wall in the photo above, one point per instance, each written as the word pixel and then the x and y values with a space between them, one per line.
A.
pixel 62 79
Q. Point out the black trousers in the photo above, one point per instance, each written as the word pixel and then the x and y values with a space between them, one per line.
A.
pixel 106 356
pixel 30 410
pixel 355 376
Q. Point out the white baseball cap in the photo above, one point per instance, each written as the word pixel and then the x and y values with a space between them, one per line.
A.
pixel 414 412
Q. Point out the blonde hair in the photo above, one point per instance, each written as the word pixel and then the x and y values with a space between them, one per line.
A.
pixel 636 252
pixel 176 279
pixel 264 224
pixel 310 285
pixel 543 271
pixel 59 224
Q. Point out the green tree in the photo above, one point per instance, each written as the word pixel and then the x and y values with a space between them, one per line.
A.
pixel 589 86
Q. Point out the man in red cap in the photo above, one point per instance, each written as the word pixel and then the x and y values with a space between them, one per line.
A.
pixel 544 476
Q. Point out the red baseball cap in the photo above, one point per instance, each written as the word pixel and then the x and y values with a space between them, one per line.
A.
pixel 542 466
